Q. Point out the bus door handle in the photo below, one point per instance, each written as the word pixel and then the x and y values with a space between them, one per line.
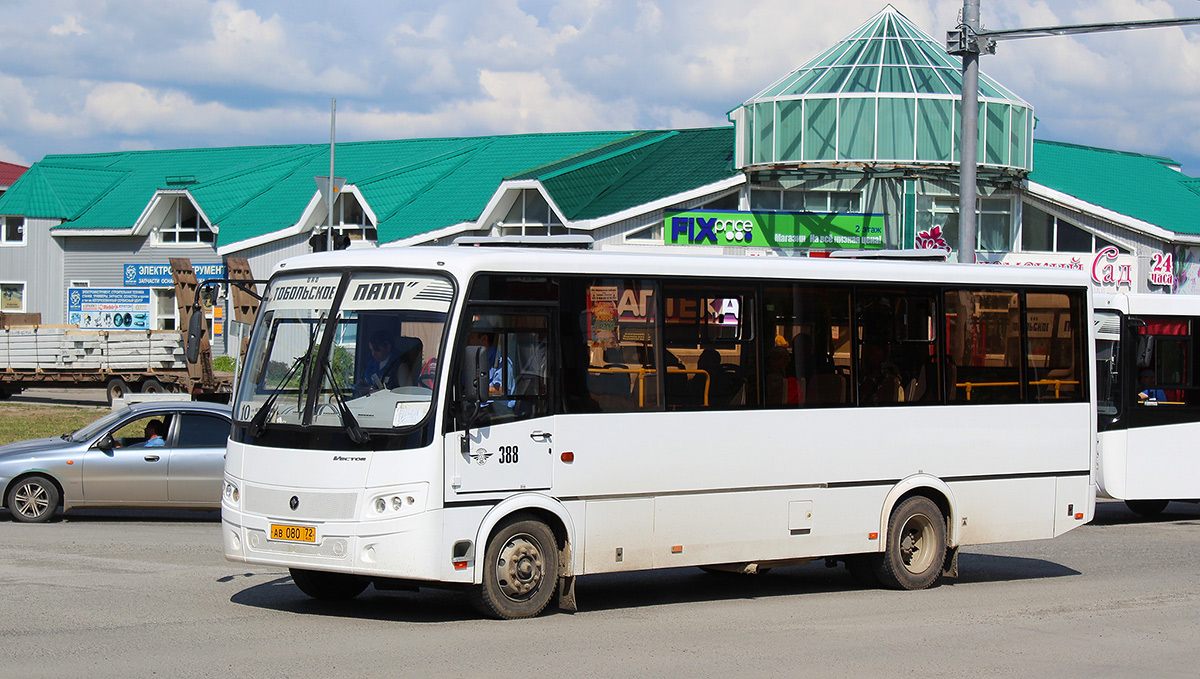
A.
pixel 151 458
pixel 540 436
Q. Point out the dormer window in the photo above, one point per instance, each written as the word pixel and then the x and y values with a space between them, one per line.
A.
pixel 350 220
pixel 530 215
pixel 183 225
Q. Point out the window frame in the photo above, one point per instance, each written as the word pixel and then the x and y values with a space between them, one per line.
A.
pixel 21 228
pixel 24 296
pixel 179 229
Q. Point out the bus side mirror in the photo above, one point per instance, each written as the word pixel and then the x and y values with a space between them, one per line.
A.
pixel 475 374
pixel 195 333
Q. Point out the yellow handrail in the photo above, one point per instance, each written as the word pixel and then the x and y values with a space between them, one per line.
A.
pixel 1058 384
pixel 641 378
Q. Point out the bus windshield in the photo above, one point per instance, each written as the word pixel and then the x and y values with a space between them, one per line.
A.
pixel 380 368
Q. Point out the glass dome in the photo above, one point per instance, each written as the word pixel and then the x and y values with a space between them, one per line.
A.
pixel 886 94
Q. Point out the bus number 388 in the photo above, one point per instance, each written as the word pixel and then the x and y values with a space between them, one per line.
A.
pixel 508 454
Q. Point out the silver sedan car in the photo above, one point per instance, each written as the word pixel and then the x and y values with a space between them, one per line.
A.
pixel 165 455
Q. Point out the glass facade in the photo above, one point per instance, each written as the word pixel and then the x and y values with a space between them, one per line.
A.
pixel 885 93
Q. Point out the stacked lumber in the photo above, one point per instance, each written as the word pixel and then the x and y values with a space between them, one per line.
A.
pixel 58 347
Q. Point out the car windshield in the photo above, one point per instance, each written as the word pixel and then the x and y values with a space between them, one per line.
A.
pixel 89 431
pixel 382 359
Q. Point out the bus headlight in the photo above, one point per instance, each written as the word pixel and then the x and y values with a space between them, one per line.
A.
pixel 388 503
pixel 231 493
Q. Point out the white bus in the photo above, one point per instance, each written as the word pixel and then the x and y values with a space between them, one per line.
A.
pixel 1149 398
pixel 543 415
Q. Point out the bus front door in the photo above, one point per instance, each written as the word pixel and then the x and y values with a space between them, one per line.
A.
pixel 506 442
pixel 504 457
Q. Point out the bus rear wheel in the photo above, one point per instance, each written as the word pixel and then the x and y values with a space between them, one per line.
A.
pixel 916 545
pixel 520 571
pixel 329 586
pixel 1147 507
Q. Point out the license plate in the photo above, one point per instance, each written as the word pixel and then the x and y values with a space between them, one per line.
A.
pixel 293 533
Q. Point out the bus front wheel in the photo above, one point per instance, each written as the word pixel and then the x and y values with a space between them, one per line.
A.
pixel 916 545
pixel 1147 507
pixel 520 571
pixel 329 586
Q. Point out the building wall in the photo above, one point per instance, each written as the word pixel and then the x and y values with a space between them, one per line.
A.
pixel 101 260
pixel 38 263
pixel 263 258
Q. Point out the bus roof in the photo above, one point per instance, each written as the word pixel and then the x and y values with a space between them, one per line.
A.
pixel 462 262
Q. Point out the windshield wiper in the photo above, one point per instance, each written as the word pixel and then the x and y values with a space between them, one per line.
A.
pixel 258 423
pixel 349 422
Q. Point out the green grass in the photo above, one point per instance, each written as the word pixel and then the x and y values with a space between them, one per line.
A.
pixel 19 422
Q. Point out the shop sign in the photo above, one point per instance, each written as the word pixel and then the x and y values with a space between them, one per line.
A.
pixel 1110 270
pixel 827 231
pixel 109 308
pixel 159 275
pixel 1161 269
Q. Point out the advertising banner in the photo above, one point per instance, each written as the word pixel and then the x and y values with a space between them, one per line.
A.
pixel 109 308
pixel 825 231
pixel 159 275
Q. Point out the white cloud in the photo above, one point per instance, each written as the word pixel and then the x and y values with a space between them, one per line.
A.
pixel 69 26
pixel 243 71
pixel 511 102
pixel 10 156
pixel 131 109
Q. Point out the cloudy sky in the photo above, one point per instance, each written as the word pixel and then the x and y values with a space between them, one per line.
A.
pixel 102 75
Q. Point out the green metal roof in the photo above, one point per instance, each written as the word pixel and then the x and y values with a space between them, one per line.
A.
pixel 413 186
pixel 1149 188
pixel 886 93
pixel 637 170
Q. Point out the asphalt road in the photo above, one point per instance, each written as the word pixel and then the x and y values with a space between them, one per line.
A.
pixel 126 594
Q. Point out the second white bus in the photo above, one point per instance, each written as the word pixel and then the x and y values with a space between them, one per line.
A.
pixel 504 421
pixel 1149 399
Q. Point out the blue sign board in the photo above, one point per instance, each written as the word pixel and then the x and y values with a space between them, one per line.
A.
pixel 159 275
pixel 109 308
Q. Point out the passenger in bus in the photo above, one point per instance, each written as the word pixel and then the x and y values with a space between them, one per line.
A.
pixel 880 383
pixel 374 376
pixel 1148 393
pixel 390 366
pixel 500 373
pixel 782 388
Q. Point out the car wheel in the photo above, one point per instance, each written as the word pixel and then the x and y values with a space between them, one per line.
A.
pixel 32 499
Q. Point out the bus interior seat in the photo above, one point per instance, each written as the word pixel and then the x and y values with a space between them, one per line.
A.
pixel 406 363
pixel 825 388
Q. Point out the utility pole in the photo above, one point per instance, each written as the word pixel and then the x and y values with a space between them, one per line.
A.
pixel 969 147
pixel 969 40
pixel 329 193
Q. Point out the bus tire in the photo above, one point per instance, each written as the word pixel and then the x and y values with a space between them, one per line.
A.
pixel 1148 508
pixel 520 571
pixel 916 545
pixel 153 386
pixel 116 388
pixel 327 586
pixel 32 499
